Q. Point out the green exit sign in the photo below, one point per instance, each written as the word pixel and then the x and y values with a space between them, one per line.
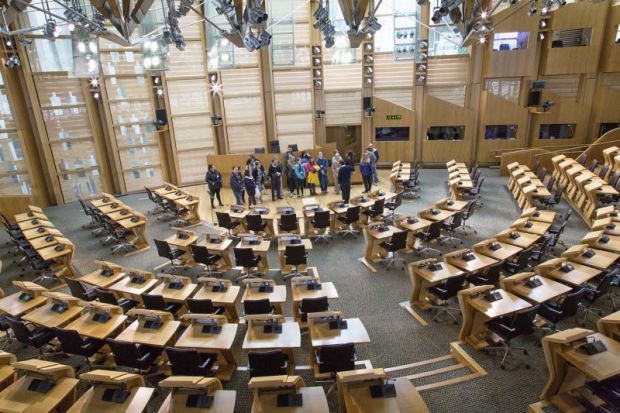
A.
pixel 393 117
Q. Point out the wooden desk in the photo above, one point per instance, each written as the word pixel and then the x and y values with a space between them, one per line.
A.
pixel 86 326
pixel 176 295
pixel 30 215
pixel 373 237
pixel 104 277
pixel 601 259
pixel 268 216
pixel 579 275
pixel 137 333
pixel 313 401
pixel 477 264
pixel 282 244
pixel 14 306
pixel 548 290
pixel 505 251
pixel 224 299
pixel 45 315
pixel 34 223
pixel 120 214
pixel 451 204
pixel 595 239
pixel 259 249
pixel 422 278
pixel 276 298
pixel 440 214
pixel 92 400
pixel 309 212
pixel 138 235
pixel 43 242
pixel 534 214
pixel 300 291
pixel 7 371
pixel 129 289
pixel 610 325
pixel 530 226
pixel 17 398
pixel 219 246
pixel 321 335
pixel 477 310
pixel 184 386
pixel 413 225
pixel 524 240
pixel 354 393
pixel 182 240
pixel 288 340
pixel 220 344
pixel 40 232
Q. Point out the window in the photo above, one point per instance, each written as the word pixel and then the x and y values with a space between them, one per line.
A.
pixel 220 52
pixel 398 28
pixel 557 131
pixel 283 33
pixel 606 127
pixel 443 41
pixel 504 88
pixel 445 133
pixel 500 132
pixel 391 134
pixel 510 41
pixel 571 38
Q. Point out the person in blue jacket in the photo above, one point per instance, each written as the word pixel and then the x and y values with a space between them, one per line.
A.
pixel 236 184
pixel 300 177
pixel 344 179
pixel 375 152
pixel 366 170
pixel 322 163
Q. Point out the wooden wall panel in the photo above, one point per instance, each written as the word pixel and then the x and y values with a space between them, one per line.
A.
pixel 394 151
pixel 440 113
pixel 610 51
pixel 343 108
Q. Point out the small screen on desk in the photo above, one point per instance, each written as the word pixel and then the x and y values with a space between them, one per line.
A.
pixel 214 240
pixel 220 288
pixel 435 211
pixel 152 324
pixel 468 256
pixel 412 220
pixel 200 401
pixel 115 395
pixel 290 400
pixel 138 279
pixel 604 239
pixel 211 329
pixel 313 285
pixel 175 284
pixel 588 253
pixel 492 296
pixel 107 272
pixel 25 297
pixel 495 246
pixel 515 235
pixel 59 308
pixel 101 317
pixel 265 288
pixel 382 390
pixel 528 224
pixel 534 282
pixel 435 267
pixel 338 325
pixel 272 328
pixel 41 386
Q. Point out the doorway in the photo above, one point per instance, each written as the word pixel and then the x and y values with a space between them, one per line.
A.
pixel 347 139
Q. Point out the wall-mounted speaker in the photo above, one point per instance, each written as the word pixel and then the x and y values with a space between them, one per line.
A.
pixel 162 117
pixel 368 103
pixel 274 146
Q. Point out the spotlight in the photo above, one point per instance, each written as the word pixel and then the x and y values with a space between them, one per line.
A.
pixel 156 80
pixel 421 78
pixel 422 68
pixel 484 15
pixel 369 70
pixel 96 95
pixel 483 40
pixel 547 105
pixel 316 50
pixel 320 13
pixel 531 11
pixel 160 91
pixel 25 41
pixel 319 112
pixel 317 73
pixel 71 27
pixel 329 42
pixel 544 10
pixel 255 15
pixel 225 7
pixel 9 43
pixel 215 120
pixel 317 84
pixel 49 30
pixel 541 36
pixel 94 81
pixel 264 38
pixel 369 80
pixel 371 25
pixel 184 7
pixel 369 59
pixel 12 61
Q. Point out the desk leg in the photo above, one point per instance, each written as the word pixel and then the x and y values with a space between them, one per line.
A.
pixel 227 265
pixel 231 313
pixel 263 266
pixel 291 360
pixel 277 307
pixel 227 364
pixel 368 251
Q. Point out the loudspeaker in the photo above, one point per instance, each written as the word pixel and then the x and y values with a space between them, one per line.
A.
pixel 367 103
pixel 274 146
pixel 534 98
pixel 162 118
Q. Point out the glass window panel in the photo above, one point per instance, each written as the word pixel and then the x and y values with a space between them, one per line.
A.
pixel 510 41
pixel 444 41
pixel 557 131
pixel 508 89
pixel 500 132
pixel 18 184
pixel 137 179
pixel 572 37
pixel 445 133
pixel 384 38
pixel 50 56
pixel 80 185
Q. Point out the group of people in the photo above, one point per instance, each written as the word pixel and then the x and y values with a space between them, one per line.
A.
pixel 302 172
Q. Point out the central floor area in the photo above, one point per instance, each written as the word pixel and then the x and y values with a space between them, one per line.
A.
pixel 396 338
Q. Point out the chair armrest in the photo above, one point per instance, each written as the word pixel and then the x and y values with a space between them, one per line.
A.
pixel 317 359
pixel 285 364
pixel 208 361
pixel 144 357
pixel 554 310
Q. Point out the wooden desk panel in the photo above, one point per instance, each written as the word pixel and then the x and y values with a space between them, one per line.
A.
pixel 135 333
pixel 45 317
pixel 12 305
pixel 355 333
pixel 256 339
pixel 313 400
pixel 17 398
pixel 92 401
pixel 509 304
pixel 100 331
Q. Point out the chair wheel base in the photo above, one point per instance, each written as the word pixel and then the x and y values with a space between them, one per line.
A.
pixel 502 367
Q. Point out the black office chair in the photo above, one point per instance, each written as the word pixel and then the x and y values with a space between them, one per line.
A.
pixel 556 230
pixel 287 223
pixel 397 242
pixel 433 233
pixel 593 293
pixel 201 255
pixel 189 362
pixel 614 178
pixel 350 218
pixel 467 214
pixel 71 342
pixel 30 336
pixel 476 190
pixel 267 363
pixel 536 166
pixel 255 223
pixel 295 255
pixel 444 292
pixel 520 263
pixel 312 305
pixel 556 311
pixel 376 210
pixel 203 306
pixel 244 257
pixel 158 209
pixel 263 306
pixel 540 250
pixel 165 251
pixel 455 223
pixel 550 183
pixel 135 356
pixel 603 172
pixel 554 199
pixel 335 358
pixel 392 205
pixel 157 302
pixel 224 221
pixel 489 277
pixel 89 213
pixel 80 291
pixel 322 222
pixel 508 328
pixel 108 297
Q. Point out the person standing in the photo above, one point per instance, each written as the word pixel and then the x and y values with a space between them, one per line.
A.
pixel 375 153
pixel 237 186
pixel 259 178
pixel 366 170
pixel 214 182
pixel 250 187
pixel 275 175
pixel 349 158
pixel 344 179
pixel 312 175
pixel 336 164
pixel 300 177
pixel 290 175
pixel 322 164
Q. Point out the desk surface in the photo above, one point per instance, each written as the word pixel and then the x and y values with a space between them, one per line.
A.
pixel 599 366
pixel 290 337
pixel 170 294
pixel 126 286
pixel 92 402
pixel 12 305
pixel 227 297
pixel 301 291
pixel 601 259
pixel 95 278
pixel 305 242
pixel 415 226
pixel 441 216
pixel 446 272
pixel 536 227
pixel 277 296
pixel 380 235
pixel 219 246
pixel 355 333
pixel 480 262
pixel 17 398
pixel 86 327
pixel 509 304
pixel 44 316
pixel 193 337
pixel 313 400
pixel 452 205
pixel 358 400
pixel 579 275
pixel 50 253
pixel 506 251
pixel 262 247
pixel 525 239
pixel 549 290
pixel 181 242
pixel 135 333
pixel 223 402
